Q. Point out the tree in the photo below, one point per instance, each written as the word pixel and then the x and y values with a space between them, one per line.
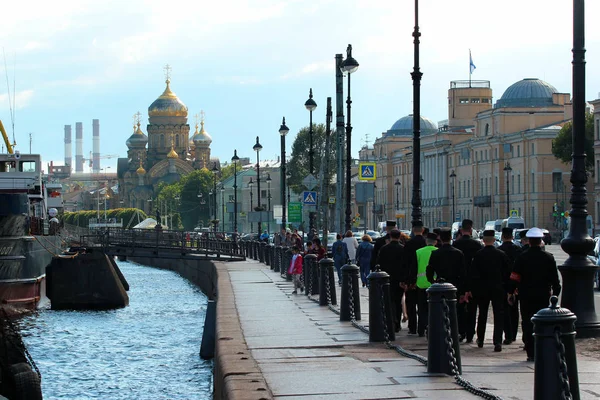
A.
pixel 227 170
pixel 299 161
pixel 562 144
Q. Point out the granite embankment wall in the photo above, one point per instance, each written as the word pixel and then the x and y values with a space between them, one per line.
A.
pixel 236 374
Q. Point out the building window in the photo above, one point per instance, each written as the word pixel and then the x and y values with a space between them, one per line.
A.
pixel 481 186
pixel 176 140
pixel 496 153
pixel 533 182
pixel 484 100
pixel 475 101
pixel 513 183
pixel 557 182
pixel 487 128
pixel 519 183
pixel 518 150
pixel 464 101
pixel 162 141
pixel 533 216
pixel 468 188
pixel 532 149
pixel 497 187
pixel 486 155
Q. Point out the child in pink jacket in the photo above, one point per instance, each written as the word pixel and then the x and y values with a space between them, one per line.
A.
pixel 295 270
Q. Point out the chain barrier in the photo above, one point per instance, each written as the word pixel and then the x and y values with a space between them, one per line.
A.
pixel 465 384
pixel 12 334
pixel 353 320
pixel 563 377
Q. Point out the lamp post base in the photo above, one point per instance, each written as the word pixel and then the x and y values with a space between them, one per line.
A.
pixel 578 294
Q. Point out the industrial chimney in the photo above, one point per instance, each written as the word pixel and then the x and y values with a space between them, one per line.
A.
pixel 96 146
pixel 78 147
pixel 68 158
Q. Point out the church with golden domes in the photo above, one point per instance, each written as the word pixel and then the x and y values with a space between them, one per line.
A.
pixel 165 154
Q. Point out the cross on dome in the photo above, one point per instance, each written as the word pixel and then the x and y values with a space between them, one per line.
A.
pixel 167 69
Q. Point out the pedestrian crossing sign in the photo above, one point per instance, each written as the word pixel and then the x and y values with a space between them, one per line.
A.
pixel 367 171
pixel 309 198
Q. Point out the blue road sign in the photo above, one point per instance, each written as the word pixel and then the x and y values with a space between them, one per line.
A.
pixel 309 198
pixel 366 171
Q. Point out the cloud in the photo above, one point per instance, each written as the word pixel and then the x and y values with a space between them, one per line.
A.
pixel 310 69
pixel 22 98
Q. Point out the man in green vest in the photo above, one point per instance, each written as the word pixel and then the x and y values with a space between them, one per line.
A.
pixel 423 255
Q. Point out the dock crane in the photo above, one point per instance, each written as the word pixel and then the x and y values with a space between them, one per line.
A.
pixel 9 146
pixel 101 157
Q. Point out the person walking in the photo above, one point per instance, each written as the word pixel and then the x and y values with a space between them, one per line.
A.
pixel 491 271
pixel 536 279
pixel 423 256
pixel 511 311
pixel 390 259
pixel 382 241
pixel 466 309
pixel 339 251
pixel 410 277
pixel 318 249
pixel 352 244
pixel 295 270
pixel 363 258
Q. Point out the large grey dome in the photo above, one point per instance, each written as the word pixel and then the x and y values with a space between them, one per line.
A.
pixel 404 127
pixel 530 92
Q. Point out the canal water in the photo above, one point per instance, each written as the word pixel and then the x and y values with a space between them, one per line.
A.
pixel 148 350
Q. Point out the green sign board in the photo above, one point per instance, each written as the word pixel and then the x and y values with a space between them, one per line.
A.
pixel 295 212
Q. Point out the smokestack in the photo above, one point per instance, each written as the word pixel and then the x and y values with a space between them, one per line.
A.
pixel 68 159
pixel 78 147
pixel 96 146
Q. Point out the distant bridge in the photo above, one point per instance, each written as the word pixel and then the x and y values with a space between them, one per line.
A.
pixel 160 244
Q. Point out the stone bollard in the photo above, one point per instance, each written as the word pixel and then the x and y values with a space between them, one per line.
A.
pixel 442 325
pixel 350 298
pixel 381 323
pixel 276 258
pixel 555 372
pixel 310 261
pixel 327 294
pixel 267 256
pixel 261 251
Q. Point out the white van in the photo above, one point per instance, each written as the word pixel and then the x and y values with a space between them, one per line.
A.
pixel 490 226
pixel 513 223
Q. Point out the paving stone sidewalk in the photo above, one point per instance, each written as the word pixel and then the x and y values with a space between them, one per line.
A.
pixel 305 352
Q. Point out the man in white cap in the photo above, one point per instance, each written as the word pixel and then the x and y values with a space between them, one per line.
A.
pixel 536 279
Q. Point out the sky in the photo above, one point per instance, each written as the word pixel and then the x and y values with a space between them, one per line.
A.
pixel 248 63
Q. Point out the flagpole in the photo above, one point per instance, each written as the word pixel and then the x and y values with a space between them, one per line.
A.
pixel 470 69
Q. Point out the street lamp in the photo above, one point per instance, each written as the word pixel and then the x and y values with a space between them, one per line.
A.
pixel 235 160
pixel 453 176
pixel 257 148
pixel 215 170
pixel 310 105
pixel 508 170
pixel 397 184
pixel 288 176
pixel 349 65
pixel 223 206
pixel 283 130
pixel 578 271
pixel 417 212
pixel 250 185
pixel 269 201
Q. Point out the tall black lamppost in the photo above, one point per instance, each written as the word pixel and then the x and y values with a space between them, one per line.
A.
pixel 234 160
pixel 223 206
pixel 578 271
pixel 349 65
pixel 397 184
pixel 257 148
pixel 453 176
pixel 215 170
pixel 417 215
pixel 269 201
pixel 310 105
pixel 508 170
pixel 250 185
pixel 288 176
pixel 283 130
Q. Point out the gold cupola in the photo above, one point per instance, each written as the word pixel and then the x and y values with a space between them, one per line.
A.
pixel 140 171
pixel 172 153
pixel 167 104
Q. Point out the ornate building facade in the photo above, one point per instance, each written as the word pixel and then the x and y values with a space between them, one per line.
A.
pixel 484 162
pixel 165 154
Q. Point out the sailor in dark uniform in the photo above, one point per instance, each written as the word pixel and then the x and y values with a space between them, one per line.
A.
pixel 511 311
pixel 447 264
pixel 382 241
pixel 391 259
pixel 536 278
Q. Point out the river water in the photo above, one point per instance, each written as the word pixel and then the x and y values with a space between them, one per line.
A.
pixel 148 350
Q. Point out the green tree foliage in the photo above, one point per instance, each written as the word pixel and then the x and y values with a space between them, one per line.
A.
pixel 81 218
pixel 227 171
pixel 299 161
pixel 562 144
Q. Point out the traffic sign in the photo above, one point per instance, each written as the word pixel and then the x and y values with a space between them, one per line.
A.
pixel 367 171
pixel 310 182
pixel 566 213
pixel 331 199
pixel 295 211
pixel 514 213
pixel 309 198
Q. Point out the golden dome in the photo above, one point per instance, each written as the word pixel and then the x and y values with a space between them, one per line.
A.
pixel 168 105
pixel 140 170
pixel 172 153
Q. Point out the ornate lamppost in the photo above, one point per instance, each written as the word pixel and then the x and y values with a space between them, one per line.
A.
pixel 223 206
pixel 310 105
pixel 283 130
pixel 578 271
pixel 349 65
pixel 250 185
pixel 215 171
pixel 257 148
pixel 453 176
pixel 288 176
pixel 397 184
pixel 417 214
pixel 235 160
pixel 269 201
pixel 508 170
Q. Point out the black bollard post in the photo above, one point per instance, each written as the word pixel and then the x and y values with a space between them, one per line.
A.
pixel 350 301
pixel 555 372
pixel 332 291
pixel 261 251
pixel 310 260
pixel 267 249
pixel 284 267
pixel 276 259
pixel 325 294
pixel 442 328
pixel 381 324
